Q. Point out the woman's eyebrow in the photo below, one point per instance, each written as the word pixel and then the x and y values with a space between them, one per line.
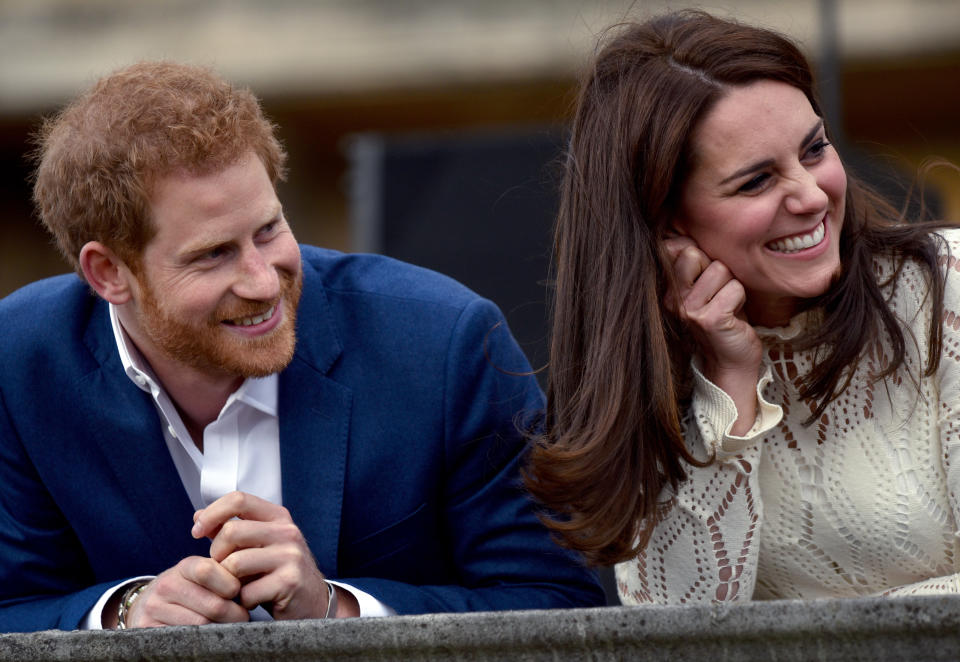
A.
pixel 759 165
pixel 812 133
pixel 766 163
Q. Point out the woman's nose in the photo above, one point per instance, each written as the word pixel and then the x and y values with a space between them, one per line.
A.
pixel 805 196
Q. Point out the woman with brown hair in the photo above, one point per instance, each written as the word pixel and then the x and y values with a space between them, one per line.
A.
pixel 754 378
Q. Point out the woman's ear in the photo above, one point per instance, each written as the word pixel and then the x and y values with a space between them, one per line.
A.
pixel 677 228
pixel 106 273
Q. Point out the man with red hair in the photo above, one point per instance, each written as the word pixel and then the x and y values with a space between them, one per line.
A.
pixel 215 423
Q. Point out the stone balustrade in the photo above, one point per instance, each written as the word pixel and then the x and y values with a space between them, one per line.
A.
pixel 917 628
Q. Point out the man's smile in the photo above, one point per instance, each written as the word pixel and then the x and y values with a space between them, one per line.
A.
pixel 250 321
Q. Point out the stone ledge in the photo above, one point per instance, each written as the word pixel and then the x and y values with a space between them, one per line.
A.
pixel 917 628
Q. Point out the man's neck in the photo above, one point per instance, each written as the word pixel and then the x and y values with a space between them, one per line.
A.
pixel 199 397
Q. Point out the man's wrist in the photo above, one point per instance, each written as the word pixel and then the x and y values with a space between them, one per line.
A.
pixel 352 602
pixel 126 602
pixel 103 614
pixel 331 601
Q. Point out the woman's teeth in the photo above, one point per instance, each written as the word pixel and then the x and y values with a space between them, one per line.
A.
pixel 250 321
pixel 794 244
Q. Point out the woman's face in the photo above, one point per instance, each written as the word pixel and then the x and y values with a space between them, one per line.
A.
pixel 765 196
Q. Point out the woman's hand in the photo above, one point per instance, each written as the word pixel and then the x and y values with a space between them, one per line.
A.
pixel 711 303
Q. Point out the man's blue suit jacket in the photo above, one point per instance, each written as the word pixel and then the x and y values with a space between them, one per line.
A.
pixel 398 438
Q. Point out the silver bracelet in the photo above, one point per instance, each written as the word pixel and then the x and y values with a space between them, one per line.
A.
pixel 126 601
pixel 331 601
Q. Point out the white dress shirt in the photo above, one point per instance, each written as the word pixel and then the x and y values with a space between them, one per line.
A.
pixel 241 452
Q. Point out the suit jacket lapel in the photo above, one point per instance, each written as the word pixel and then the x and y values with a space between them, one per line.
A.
pixel 314 425
pixel 131 440
pixel 314 415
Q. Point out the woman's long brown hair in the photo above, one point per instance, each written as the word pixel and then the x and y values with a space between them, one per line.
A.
pixel 619 377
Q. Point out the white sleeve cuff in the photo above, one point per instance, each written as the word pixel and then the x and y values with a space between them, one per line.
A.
pixel 369 605
pixel 715 413
pixel 94 618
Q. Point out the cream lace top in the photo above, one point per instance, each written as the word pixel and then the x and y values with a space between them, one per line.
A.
pixel 863 501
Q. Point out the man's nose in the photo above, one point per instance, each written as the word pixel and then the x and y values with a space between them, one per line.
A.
pixel 257 278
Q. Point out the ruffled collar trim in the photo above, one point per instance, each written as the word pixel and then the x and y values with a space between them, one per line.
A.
pixel 799 324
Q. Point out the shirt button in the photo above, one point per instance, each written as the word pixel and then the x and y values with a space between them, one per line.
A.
pixel 173 433
pixel 140 380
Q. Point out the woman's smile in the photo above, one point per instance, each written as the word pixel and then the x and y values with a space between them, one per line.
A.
pixel 800 242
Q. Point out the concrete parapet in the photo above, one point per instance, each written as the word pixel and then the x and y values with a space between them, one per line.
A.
pixel 917 628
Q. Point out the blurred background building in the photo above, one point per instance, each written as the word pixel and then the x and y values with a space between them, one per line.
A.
pixel 388 106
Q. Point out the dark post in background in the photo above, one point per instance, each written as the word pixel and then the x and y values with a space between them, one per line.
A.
pixel 477 207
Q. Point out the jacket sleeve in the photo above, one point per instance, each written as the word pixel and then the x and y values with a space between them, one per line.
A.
pixel 45 580
pixel 504 557
pixel 704 547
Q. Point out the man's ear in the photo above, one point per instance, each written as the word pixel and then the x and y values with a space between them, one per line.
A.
pixel 106 273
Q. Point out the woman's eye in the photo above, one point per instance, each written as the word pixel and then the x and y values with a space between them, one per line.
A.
pixel 817 149
pixel 754 184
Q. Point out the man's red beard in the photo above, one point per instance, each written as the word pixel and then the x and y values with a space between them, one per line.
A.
pixel 211 347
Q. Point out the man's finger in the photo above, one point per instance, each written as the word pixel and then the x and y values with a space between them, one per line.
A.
pixel 195 591
pixel 249 562
pixel 201 612
pixel 207 522
pixel 164 613
pixel 206 574
pixel 242 534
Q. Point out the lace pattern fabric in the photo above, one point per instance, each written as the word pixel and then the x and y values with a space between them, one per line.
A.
pixel 863 501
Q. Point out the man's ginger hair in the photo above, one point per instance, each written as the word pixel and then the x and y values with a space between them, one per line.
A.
pixel 99 158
